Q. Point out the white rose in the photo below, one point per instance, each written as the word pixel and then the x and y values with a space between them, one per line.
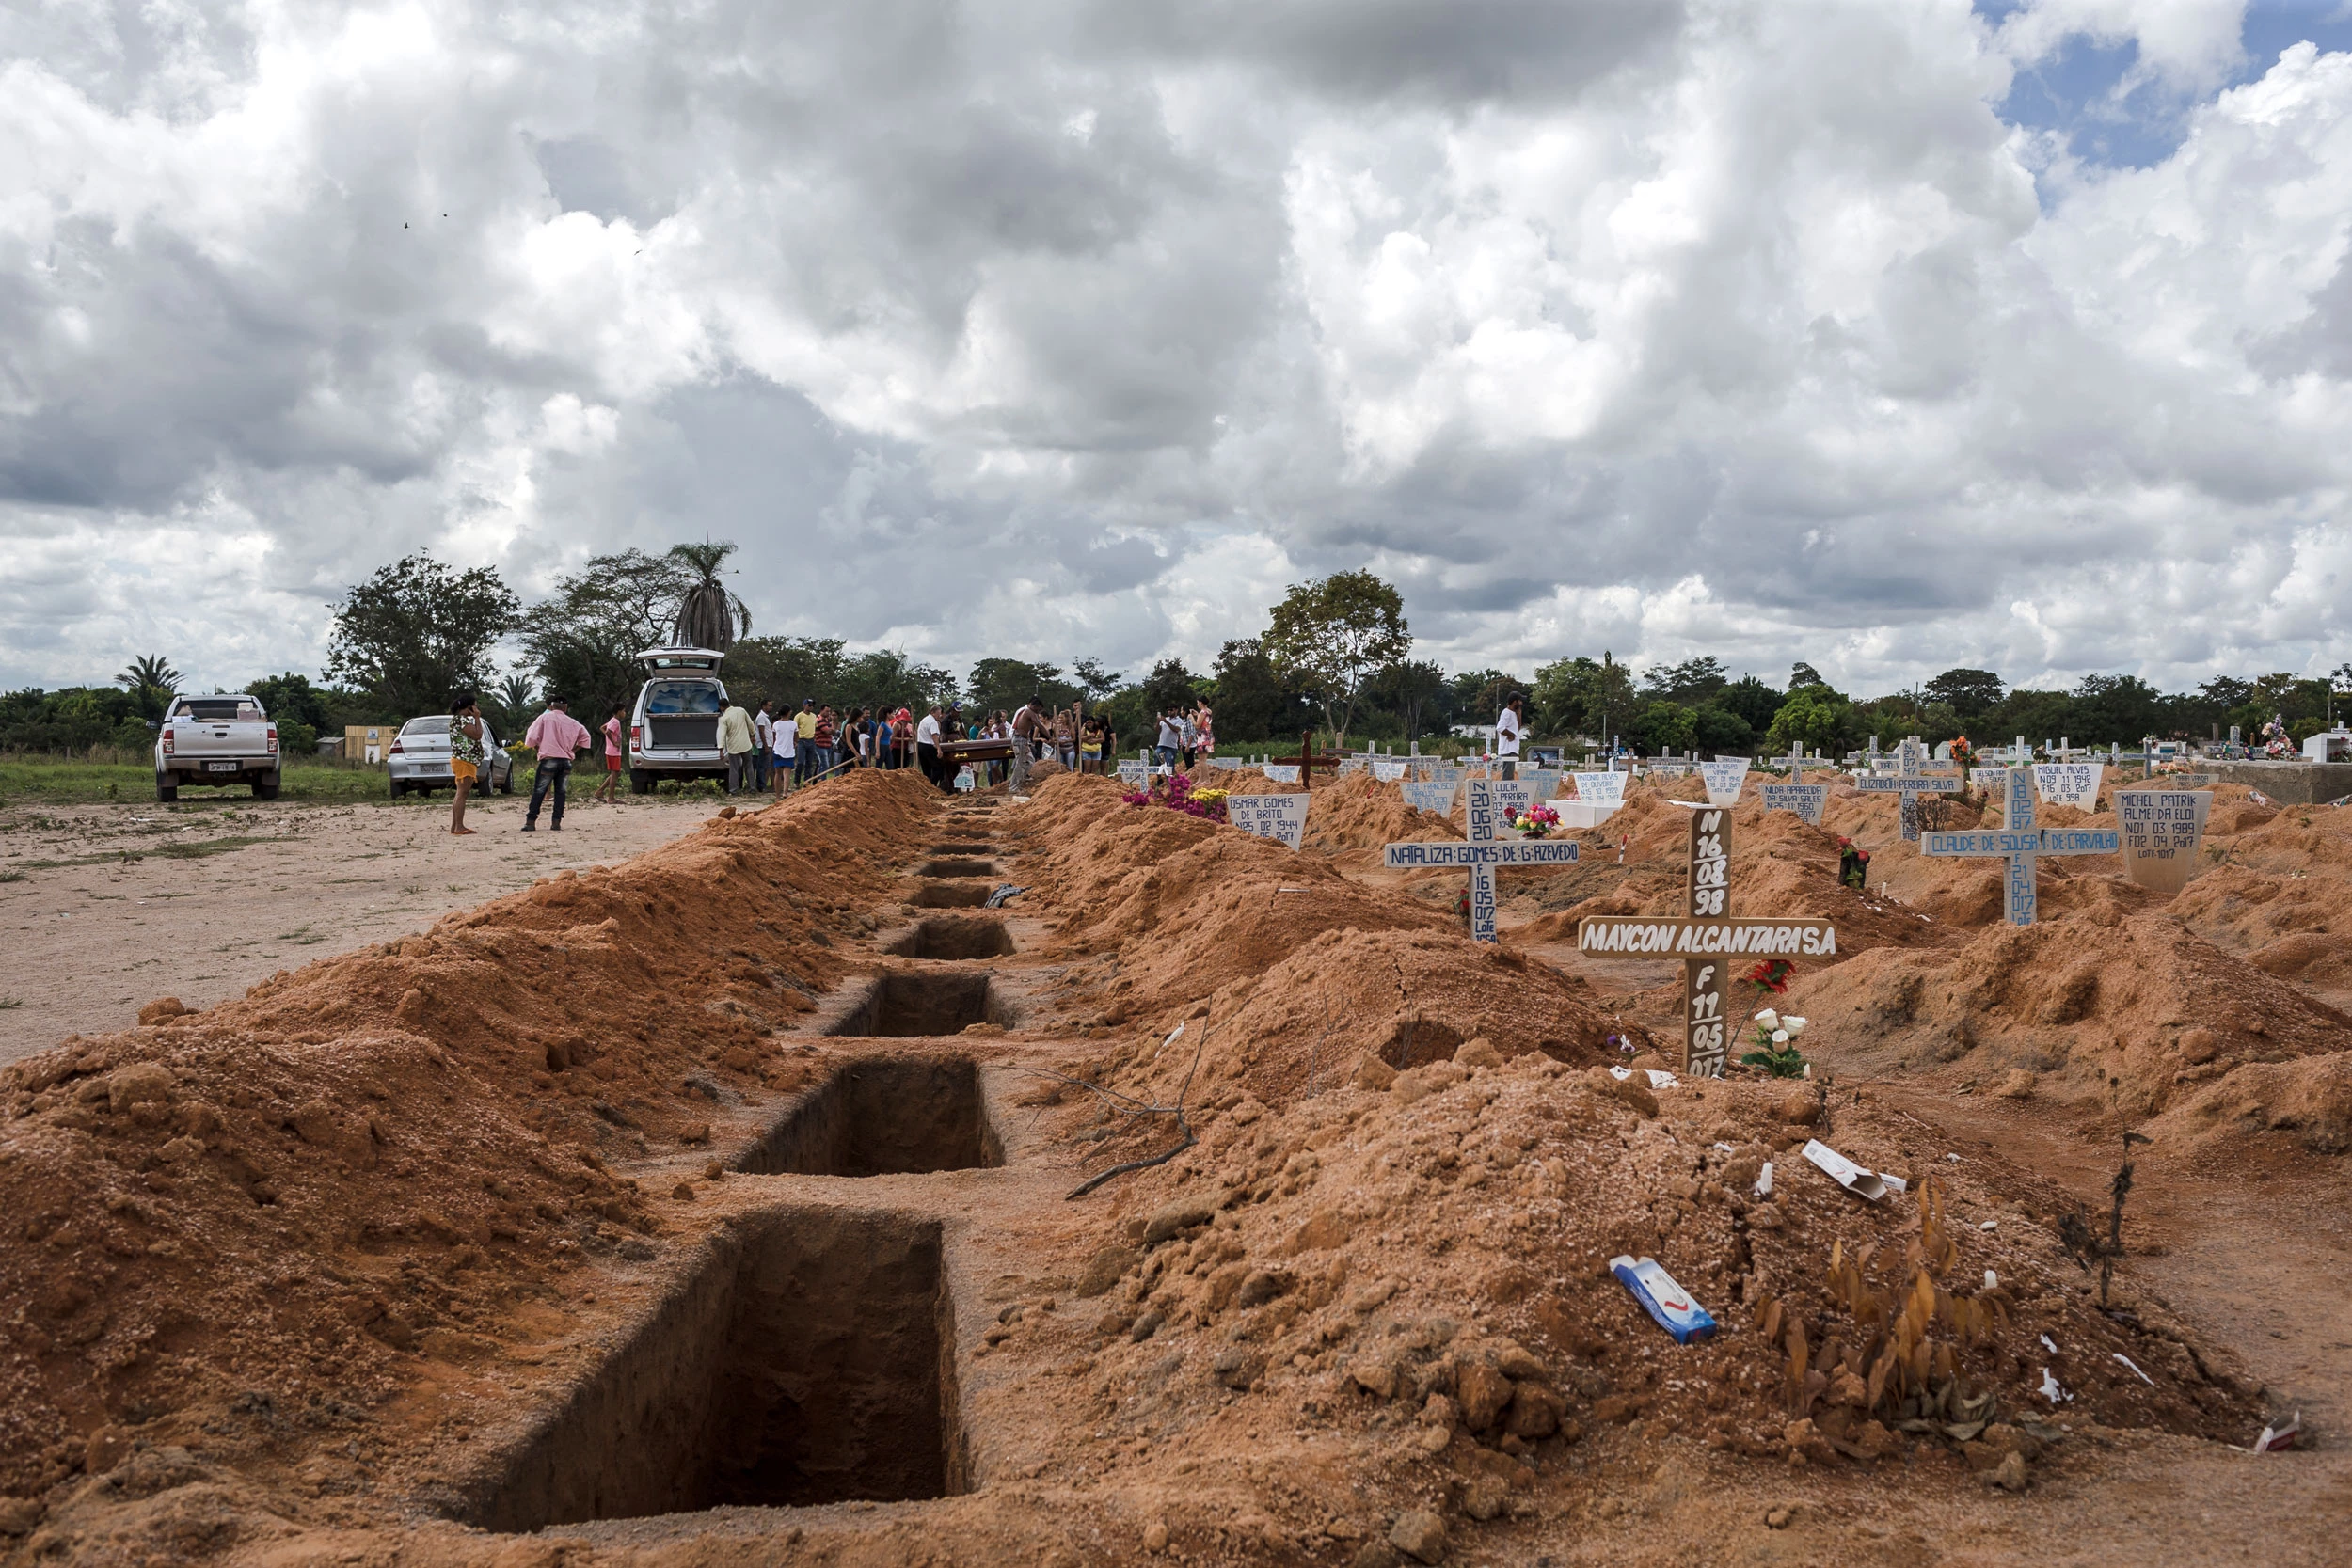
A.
pixel 1794 1026
pixel 1768 1018
pixel 1780 1036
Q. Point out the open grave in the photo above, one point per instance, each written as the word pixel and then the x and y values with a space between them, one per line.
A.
pixel 951 937
pixel 906 1002
pixel 950 895
pixel 881 1116
pixel 953 867
pixel 802 1361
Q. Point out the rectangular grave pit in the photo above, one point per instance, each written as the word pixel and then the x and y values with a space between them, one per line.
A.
pixel 950 895
pixel 884 1116
pixel 954 867
pixel 809 1359
pixel 950 938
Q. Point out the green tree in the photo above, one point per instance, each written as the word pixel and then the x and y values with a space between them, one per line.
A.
pixel 1752 700
pixel 1007 683
pixel 1417 690
pixel 419 631
pixel 1801 673
pixel 151 680
pixel 1972 693
pixel 1659 725
pixel 1251 702
pixel 709 615
pixel 1692 681
pixel 1169 686
pixel 1813 716
pixel 291 697
pixel 1583 696
pixel 784 670
pixel 1328 638
pixel 1096 680
pixel 1721 732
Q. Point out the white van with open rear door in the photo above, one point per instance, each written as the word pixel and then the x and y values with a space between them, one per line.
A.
pixel 673 730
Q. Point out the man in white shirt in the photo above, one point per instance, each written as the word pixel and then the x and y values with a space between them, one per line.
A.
pixel 1508 727
pixel 785 735
pixel 926 745
pixel 1171 743
pixel 763 736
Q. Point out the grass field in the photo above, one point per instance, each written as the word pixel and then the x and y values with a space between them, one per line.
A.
pixel 69 781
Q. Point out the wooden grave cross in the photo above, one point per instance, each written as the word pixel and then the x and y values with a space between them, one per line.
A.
pixel 1709 940
pixel 2023 843
pixel 1480 855
pixel 1911 780
pixel 1308 759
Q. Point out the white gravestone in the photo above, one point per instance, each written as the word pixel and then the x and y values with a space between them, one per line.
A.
pixel 2022 845
pixel 1910 780
pixel 2161 829
pixel 1511 796
pixel 1389 769
pixel 2068 783
pixel 1480 857
pixel 1135 775
pixel 1430 795
pixel 1807 800
pixel 1541 782
pixel 1277 773
pixel 1600 789
pixel 1277 817
pixel 1723 776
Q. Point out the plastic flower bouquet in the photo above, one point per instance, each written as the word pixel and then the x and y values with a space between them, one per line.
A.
pixel 1537 821
pixel 1177 794
pixel 1776 1041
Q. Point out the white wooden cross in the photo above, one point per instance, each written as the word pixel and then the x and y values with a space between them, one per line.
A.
pixel 1480 855
pixel 2023 844
pixel 1806 800
pixel 1709 940
pixel 1910 781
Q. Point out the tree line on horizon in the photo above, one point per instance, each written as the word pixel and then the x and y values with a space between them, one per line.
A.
pixel 1334 657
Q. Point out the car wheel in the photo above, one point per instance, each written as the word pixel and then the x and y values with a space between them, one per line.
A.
pixel 640 784
pixel 266 789
pixel 164 789
pixel 399 789
pixel 507 782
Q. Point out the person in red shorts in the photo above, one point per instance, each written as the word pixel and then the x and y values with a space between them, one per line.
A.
pixel 607 791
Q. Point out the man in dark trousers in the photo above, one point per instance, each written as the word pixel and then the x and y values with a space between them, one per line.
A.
pixel 557 738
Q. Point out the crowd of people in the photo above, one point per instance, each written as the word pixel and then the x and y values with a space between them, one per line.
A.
pixel 778 748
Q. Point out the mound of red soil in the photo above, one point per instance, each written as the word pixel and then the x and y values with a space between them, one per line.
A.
pixel 272 1198
pixel 2129 1012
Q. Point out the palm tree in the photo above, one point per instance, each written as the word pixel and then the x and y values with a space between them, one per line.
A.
pixel 150 670
pixel 513 692
pixel 710 616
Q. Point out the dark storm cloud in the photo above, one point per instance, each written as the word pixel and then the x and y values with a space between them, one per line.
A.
pixel 1068 327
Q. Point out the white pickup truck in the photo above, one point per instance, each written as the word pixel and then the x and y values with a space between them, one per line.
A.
pixel 216 740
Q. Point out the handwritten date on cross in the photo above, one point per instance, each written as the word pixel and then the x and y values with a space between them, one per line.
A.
pixel 1709 940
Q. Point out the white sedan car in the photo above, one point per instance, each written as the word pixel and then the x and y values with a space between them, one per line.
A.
pixel 419 758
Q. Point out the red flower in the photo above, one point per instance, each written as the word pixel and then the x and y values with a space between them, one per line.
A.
pixel 1772 975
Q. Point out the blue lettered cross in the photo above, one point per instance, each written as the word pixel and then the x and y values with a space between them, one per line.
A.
pixel 1911 780
pixel 1480 856
pixel 2023 843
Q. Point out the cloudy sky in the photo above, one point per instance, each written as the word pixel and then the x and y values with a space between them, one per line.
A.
pixel 1890 335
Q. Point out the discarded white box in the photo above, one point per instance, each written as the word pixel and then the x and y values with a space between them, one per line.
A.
pixel 1862 1183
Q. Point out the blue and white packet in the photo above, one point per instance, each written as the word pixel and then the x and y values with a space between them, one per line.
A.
pixel 1677 1312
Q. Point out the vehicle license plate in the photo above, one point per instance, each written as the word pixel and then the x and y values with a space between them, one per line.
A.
pixel 220 768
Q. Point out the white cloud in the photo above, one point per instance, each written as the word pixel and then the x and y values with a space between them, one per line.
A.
pixel 1082 330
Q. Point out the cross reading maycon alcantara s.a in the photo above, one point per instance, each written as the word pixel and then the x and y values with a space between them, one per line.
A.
pixel 1480 856
pixel 2023 843
pixel 1709 940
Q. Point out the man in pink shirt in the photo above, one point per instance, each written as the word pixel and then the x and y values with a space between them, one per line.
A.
pixel 556 736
